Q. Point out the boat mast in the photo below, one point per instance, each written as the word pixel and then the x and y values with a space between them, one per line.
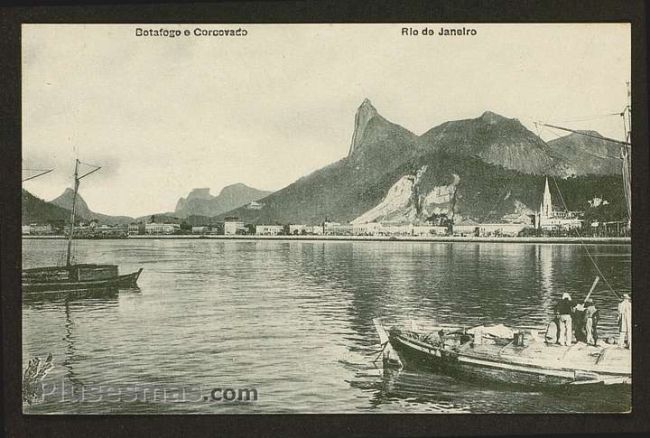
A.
pixel 77 178
pixel 72 212
pixel 625 155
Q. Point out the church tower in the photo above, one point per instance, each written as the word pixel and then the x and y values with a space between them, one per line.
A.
pixel 546 207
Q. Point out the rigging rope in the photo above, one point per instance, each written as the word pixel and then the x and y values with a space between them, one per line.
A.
pixel 584 246
pixel 586 119
pixel 591 258
pixel 604 157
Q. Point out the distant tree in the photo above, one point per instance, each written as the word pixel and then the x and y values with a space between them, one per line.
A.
pixel 186 226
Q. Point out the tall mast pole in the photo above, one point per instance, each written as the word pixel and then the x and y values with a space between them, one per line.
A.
pixel 625 155
pixel 629 113
pixel 72 213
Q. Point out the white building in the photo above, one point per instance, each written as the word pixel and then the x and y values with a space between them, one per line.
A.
pixel 368 229
pixel 296 229
pixel 40 229
pixel 268 230
pixel 232 227
pixel 200 230
pixel 337 229
pixel 136 228
pixel 428 230
pixel 254 205
pixel 26 229
pixel 316 230
pixel 395 230
pixel 496 230
pixel 156 228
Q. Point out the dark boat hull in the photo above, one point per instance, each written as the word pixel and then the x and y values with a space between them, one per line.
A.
pixel 119 281
pixel 475 363
pixel 485 371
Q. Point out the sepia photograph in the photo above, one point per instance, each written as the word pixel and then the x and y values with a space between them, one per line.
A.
pixel 394 218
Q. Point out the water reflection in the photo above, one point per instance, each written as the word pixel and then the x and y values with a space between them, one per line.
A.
pixel 294 319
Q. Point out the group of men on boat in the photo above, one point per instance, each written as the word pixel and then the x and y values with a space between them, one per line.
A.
pixel 581 320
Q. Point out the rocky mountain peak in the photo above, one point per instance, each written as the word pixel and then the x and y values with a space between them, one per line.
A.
pixel 201 193
pixel 234 188
pixel 200 202
pixel 365 113
pixel 492 118
pixel 82 210
pixel 64 200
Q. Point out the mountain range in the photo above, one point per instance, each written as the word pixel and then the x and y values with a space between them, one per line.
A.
pixel 201 203
pixel 486 169
pixel 489 168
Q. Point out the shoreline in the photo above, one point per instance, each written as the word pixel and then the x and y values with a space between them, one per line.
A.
pixel 440 239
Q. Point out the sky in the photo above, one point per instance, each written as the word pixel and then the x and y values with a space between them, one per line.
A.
pixel 164 115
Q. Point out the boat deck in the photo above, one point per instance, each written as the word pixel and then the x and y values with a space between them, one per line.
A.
pixel 497 350
pixel 604 359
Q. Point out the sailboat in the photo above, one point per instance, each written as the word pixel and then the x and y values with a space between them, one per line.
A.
pixel 73 277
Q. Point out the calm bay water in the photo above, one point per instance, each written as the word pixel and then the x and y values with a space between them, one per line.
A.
pixel 293 320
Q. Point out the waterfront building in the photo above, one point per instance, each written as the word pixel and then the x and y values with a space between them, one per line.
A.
pixel 428 230
pixel 379 229
pixel 396 230
pixel 337 229
pixel 466 227
pixel 268 230
pixel 233 226
pixel 316 230
pixel 40 229
pixel 164 228
pixel 296 229
pixel 497 230
pixel 367 229
pixel 26 229
pixel 201 229
pixel 136 228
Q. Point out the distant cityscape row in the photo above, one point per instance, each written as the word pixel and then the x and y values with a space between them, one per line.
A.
pixel 233 226
pixel 545 222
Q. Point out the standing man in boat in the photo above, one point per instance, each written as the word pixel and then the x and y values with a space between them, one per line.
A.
pixel 564 309
pixel 591 319
pixel 625 321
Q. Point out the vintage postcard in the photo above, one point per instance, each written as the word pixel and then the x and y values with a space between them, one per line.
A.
pixel 326 218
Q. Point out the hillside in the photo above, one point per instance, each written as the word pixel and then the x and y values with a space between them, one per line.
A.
pixel 603 155
pixel 482 192
pixel 36 210
pixel 499 164
pixel 496 140
pixel 82 209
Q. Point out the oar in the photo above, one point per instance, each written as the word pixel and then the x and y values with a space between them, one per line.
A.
pixel 593 286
